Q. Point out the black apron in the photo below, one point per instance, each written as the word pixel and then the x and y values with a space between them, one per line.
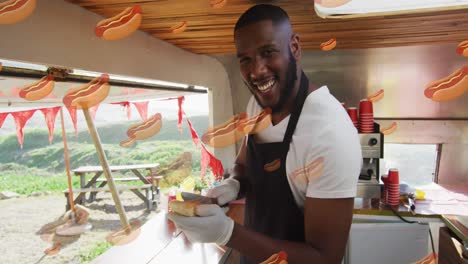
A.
pixel 270 206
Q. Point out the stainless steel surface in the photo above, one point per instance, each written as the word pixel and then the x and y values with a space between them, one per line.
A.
pixel 368 190
pixel 371 145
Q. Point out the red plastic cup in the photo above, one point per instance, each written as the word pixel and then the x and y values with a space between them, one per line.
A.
pixel 393 187
pixel 365 107
pixel 393 176
pixel 353 114
pixel 344 105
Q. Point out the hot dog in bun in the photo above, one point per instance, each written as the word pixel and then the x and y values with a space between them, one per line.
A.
pixel 256 123
pixel 217 3
pixel 225 134
pixel 272 166
pixel 121 25
pixel 179 28
pixel 448 88
pixel 462 48
pixel 146 129
pixel 186 208
pixel 390 129
pixel 277 258
pixel 88 95
pixel 328 45
pixel 377 96
pixel 127 142
pixel 14 11
pixel 39 89
pixel 331 3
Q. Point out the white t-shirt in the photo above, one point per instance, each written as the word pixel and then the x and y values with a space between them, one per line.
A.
pixel 324 158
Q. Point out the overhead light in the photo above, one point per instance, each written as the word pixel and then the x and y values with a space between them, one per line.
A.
pixel 366 8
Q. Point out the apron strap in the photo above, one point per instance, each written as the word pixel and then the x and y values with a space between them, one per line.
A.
pixel 298 103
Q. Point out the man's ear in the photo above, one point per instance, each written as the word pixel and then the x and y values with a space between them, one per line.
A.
pixel 295 46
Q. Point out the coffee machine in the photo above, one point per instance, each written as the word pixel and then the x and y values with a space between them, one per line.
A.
pixel 372 151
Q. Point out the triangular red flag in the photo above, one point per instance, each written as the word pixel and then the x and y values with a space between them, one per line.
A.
pixel 127 107
pixel 192 132
pixel 2 118
pixel 180 101
pixel 20 120
pixel 93 111
pixel 142 108
pixel 208 159
pixel 72 112
pixel 50 114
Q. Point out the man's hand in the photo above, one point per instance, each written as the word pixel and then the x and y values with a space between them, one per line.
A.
pixel 210 226
pixel 225 192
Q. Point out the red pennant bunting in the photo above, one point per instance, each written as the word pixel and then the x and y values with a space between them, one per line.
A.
pixel 20 119
pixel 2 118
pixel 127 107
pixel 50 114
pixel 72 112
pixel 208 159
pixel 93 111
pixel 180 101
pixel 14 92
pixel 142 108
pixel 193 133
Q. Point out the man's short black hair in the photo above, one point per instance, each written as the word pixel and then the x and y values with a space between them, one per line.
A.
pixel 262 12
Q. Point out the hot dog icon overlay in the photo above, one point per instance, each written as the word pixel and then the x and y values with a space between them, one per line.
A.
pixel 331 3
pixel 121 25
pixel 143 130
pixel 88 95
pixel 225 134
pixel 328 45
pixel 377 96
pixel 14 11
pixel 272 166
pixel 449 87
pixel 39 89
pixel 256 123
pixel 179 28
pixel 309 173
pixel 277 258
pixel 462 48
pixel 217 3
pixel 390 129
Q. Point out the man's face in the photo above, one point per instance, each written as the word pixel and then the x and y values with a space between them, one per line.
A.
pixel 267 65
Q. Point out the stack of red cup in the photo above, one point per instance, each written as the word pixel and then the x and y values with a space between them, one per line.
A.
pixel 366 117
pixel 353 114
pixel 393 187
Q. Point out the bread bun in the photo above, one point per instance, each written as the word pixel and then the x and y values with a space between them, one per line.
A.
pixel 186 208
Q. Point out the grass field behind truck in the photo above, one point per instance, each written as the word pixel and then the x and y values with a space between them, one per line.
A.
pixel 40 166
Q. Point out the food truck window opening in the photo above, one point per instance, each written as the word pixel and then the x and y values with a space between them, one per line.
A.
pixel 417 163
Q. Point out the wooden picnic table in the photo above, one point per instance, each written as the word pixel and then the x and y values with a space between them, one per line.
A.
pixel 97 171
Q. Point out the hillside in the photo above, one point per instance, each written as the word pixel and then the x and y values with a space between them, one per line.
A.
pixel 38 154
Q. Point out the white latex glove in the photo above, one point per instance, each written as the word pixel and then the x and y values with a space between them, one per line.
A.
pixel 211 226
pixel 226 191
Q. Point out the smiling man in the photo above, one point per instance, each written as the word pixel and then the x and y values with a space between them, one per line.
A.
pixel 304 205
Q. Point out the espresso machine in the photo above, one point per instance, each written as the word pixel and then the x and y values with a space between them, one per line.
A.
pixel 372 151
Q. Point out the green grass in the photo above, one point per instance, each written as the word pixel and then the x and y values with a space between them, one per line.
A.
pixel 95 251
pixel 27 184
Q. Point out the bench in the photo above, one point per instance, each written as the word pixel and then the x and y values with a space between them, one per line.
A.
pixel 149 179
pixel 135 189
